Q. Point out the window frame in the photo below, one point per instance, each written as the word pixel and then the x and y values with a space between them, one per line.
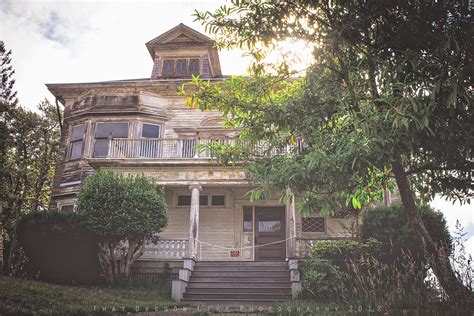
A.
pixel 95 138
pixel 65 204
pixel 209 200
pixel 324 219
pixel 187 70
pixel 74 141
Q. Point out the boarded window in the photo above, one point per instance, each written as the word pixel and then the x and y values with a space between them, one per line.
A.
pixel 218 200
pixel 314 224
pixel 77 141
pixel 102 134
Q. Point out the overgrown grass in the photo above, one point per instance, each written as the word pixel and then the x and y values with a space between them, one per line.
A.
pixel 26 297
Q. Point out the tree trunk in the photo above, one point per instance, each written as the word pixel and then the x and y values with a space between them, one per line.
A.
pixel 118 270
pixel 106 262
pixel 437 257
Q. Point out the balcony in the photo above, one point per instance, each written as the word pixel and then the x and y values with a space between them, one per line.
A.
pixel 162 148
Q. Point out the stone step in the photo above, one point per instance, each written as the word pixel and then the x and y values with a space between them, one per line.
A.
pixel 243 274
pixel 240 268
pixel 239 279
pixel 233 302
pixel 236 290
pixel 242 263
pixel 241 284
pixel 236 296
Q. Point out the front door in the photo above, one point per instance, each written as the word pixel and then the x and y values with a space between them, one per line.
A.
pixel 270 229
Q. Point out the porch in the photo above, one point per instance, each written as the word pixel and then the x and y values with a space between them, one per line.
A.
pixel 219 224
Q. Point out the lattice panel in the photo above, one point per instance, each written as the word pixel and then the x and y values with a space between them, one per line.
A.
pixel 313 224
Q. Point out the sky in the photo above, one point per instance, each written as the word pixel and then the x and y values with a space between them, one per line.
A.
pixel 86 41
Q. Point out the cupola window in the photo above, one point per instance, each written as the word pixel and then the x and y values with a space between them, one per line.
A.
pixel 180 67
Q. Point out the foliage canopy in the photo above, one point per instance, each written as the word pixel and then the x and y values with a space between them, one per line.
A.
pixel 118 207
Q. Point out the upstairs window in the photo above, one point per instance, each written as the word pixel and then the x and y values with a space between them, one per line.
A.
pixel 180 67
pixel 77 141
pixel 150 145
pixel 102 133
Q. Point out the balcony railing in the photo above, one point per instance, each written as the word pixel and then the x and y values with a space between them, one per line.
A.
pixel 171 148
pixel 165 148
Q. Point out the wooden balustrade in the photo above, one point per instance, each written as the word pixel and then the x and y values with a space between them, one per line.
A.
pixel 166 249
pixel 154 148
pixel 171 148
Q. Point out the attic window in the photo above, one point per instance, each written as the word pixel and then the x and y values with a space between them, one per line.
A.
pixel 180 67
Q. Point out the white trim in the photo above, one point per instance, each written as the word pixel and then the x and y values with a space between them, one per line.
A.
pixel 68 184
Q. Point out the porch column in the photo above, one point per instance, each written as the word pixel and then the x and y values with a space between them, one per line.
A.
pixel 291 224
pixel 194 220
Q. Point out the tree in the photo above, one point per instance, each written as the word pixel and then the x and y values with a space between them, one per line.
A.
pixel 27 172
pixel 28 148
pixel 123 211
pixel 7 101
pixel 389 96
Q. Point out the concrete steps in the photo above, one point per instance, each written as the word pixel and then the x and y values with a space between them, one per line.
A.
pixel 234 283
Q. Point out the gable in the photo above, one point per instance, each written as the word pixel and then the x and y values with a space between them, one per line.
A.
pixel 179 34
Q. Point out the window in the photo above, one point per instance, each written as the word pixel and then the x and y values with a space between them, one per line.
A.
pixel 185 200
pixel 150 130
pixel 314 224
pixel 67 208
pixel 168 68
pixel 182 67
pixel 150 148
pixel 248 221
pixel 76 143
pixel 218 200
pixel 103 132
pixel 193 68
pixel 203 200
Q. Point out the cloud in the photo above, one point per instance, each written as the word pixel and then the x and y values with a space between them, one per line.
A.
pixel 85 41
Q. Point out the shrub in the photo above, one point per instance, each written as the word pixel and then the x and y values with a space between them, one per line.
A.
pixel 59 249
pixel 340 251
pixel 123 211
pixel 390 227
pixel 322 278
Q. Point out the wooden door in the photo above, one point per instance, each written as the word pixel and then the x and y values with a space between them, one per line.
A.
pixel 270 228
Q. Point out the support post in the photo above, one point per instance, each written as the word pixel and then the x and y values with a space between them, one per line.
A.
pixel 290 224
pixel 194 220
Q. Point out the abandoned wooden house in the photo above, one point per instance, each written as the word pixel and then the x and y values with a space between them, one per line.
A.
pixel 220 246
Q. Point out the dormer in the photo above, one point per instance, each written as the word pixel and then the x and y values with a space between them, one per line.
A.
pixel 182 52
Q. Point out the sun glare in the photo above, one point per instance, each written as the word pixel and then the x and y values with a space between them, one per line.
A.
pixel 298 54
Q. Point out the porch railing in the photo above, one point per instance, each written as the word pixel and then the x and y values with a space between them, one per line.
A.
pixel 166 249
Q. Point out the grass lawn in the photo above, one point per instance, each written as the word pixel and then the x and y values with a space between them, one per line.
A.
pixel 26 297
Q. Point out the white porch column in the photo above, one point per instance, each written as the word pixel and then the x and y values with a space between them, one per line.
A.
pixel 194 220
pixel 291 224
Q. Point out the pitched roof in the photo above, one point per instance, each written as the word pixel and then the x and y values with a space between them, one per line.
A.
pixel 178 34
